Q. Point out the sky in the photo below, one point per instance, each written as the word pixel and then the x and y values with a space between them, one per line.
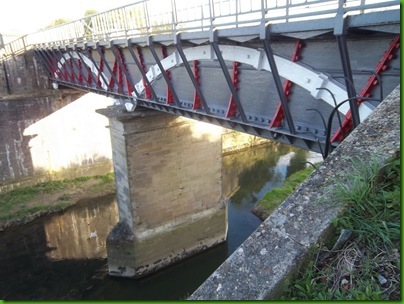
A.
pixel 28 16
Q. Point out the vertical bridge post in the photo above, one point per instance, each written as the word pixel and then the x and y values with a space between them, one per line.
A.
pixel 168 183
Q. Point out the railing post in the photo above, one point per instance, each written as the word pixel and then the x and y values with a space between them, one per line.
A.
pixel 263 11
pixel 174 15
pixel 211 13
pixel 146 14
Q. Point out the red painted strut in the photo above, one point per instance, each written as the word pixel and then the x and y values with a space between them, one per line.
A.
pixel 101 69
pixel 197 100
pixel 232 108
pixel 287 87
pixel 382 65
pixel 170 98
pixel 80 73
pixel 141 61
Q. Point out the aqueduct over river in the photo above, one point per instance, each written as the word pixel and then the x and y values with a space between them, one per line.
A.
pixel 301 72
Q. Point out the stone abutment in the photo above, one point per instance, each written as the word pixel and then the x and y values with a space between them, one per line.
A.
pixel 169 192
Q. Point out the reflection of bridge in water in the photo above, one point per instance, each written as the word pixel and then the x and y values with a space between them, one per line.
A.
pixel 304 73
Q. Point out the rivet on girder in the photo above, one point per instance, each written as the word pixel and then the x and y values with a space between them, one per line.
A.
pixel 197 100
pixel 232 108
pixel 170 97
pixel 287 87
pixel 367 90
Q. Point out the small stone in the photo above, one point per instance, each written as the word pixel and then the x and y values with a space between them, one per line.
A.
pixel 219 287
pixel 382 279
pixel 263 251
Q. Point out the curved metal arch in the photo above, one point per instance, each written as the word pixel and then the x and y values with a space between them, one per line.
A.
pixel 87 62
pixel 302 76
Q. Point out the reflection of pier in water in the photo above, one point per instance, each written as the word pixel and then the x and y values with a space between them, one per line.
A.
pixel 81 233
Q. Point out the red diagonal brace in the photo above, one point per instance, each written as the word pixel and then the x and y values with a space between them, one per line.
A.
pixel 65 73
pixel 170 98
pixel 141 61
pixel 71 70
pixel 287 87
pixel 89 79
pixel 232 108
pixel 80 71
pixel 128 84
pixel 381 66
pixel 101 69
pixel 197 100
pixel 120 72
pixel 111 80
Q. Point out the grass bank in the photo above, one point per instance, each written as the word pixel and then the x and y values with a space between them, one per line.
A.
pixel 24 204
pixel 362 261
pixel 272 199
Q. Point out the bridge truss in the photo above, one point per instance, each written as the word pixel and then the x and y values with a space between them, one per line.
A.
pixel 275 69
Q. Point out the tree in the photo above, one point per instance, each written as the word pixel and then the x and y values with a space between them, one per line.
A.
pixel 57 22
pixel 88 25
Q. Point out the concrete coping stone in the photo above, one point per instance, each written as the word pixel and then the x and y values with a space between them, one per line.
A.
pixel 119 112
pixel 258 269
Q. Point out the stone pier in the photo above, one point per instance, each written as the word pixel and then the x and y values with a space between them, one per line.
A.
pixel 168 180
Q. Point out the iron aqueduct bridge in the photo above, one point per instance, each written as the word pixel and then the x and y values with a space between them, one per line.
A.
pixel 299 72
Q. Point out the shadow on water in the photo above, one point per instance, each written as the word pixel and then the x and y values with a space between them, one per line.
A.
pixel 63 256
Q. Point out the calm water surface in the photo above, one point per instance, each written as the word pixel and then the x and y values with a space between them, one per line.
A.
pixel 63 256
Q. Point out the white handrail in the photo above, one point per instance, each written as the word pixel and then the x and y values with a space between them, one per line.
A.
pixel 152 17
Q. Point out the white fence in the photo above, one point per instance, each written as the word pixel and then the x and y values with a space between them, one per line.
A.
pixel 153 17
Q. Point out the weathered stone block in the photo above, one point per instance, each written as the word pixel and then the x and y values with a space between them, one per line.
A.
pixel 168 179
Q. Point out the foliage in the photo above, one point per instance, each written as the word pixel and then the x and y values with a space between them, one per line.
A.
pixel 276 196
pixel 57 22
pixel 371 198
pixel 368 267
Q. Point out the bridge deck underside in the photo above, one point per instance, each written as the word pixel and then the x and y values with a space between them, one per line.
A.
pixel 219 88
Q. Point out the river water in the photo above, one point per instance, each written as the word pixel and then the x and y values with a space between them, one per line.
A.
pixel 63 255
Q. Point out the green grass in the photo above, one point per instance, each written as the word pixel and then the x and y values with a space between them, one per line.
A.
pixel 16 203
pixel 272 199
pixel 370 195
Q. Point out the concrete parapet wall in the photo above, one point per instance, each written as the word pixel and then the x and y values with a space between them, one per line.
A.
pixel 169 190
pixel 274 252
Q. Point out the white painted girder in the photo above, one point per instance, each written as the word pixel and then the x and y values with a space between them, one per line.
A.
pixel 302 76
pixel 87 62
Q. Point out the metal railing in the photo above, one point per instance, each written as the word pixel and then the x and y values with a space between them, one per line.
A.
pixel 155 17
